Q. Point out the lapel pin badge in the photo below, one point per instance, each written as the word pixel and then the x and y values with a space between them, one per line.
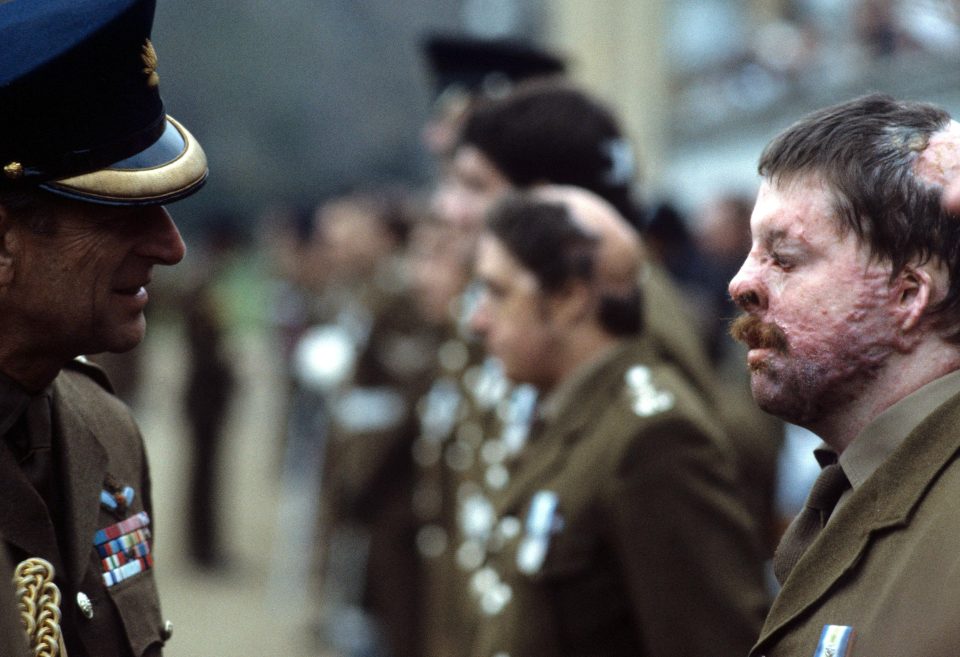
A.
pixel 542 521
pixel 835 641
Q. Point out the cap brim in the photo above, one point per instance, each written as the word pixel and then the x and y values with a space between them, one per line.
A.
pixel 170 169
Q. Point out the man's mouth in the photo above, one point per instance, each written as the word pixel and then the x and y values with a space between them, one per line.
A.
pixel 132 287
pixel 757 334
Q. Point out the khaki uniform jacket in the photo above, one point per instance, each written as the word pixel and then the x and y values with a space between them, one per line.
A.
pixel 887 564
pixel 648 552
pixel 96 439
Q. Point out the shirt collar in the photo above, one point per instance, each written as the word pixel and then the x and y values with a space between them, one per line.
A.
pixel 889 429
pixel 13 401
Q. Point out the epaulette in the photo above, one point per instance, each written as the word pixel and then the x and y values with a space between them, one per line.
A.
pixel 92 370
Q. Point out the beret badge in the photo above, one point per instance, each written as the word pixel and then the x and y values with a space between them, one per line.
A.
pixel 13 170
pixel 149 57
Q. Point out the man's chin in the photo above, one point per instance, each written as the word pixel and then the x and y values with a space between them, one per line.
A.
pixel 125 337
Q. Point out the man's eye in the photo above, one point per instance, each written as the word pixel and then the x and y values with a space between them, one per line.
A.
pixel 781 261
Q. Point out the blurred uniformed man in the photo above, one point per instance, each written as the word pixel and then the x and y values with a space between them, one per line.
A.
pixel 621 530
pixel 88 157
pixel 550 131
pixel 465 70
pixel 368 521
pixel 543 131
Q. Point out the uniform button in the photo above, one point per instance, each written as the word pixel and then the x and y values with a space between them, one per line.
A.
pixel 86 607
pixel 167 631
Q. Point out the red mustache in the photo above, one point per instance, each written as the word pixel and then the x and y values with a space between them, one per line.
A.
pixel 757 334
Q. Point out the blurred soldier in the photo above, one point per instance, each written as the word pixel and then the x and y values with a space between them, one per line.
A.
pixel 207 393
pixel 548 131
pixel 544 131
pixel 621 530
pixel 371 564
pixel 87 160
pixel 465 70
pixel 850 297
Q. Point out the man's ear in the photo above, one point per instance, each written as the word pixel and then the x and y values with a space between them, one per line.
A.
pixel 916 290
pixel 573 303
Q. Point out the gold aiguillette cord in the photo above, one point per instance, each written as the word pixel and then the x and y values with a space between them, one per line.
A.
pixel 39 601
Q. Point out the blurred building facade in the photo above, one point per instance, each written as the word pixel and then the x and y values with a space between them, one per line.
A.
pixel 300 99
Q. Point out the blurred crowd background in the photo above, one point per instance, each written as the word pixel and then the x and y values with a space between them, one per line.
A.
pixel 315 117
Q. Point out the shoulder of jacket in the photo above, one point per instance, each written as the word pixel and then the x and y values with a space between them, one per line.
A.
pixel 90 370
pixel 655 394
pixel 658 388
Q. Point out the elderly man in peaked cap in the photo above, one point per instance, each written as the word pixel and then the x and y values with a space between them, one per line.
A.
pixel 88 158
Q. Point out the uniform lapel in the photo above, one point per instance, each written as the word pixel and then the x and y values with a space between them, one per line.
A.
pixel 886 500
pixel 24 523
pixel 84 470
pixel 543 454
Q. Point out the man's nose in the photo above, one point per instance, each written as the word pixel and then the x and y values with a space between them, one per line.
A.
pixel 746 290
pixel 480 317
pixel 160 240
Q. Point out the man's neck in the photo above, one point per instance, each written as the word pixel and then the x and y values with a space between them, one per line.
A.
pixel 581 349
pixel 34 374
pixel 901 376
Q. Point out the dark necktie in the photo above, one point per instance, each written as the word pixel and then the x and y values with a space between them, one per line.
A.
pixel 37 462
pixel 823 497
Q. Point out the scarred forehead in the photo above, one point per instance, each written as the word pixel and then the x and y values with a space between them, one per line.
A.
pixel 939 162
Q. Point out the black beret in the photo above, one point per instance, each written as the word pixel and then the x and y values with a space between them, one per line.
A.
pixel 470 63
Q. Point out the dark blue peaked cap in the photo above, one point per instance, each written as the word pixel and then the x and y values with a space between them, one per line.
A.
pixel 80 108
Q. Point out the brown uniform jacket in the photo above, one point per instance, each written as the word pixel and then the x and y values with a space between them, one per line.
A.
pixel 97 443
pixel 887 564
pixel 12 636
pixel 648 551
pixel 369 472
pixel 755 437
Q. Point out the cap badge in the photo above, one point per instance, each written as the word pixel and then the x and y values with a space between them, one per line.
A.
pixel 13 170
pixel 149 57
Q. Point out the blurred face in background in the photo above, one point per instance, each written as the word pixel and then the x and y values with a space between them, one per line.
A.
pixel 471 185
pixel 439 270
pixel 354 241
pixel 513 316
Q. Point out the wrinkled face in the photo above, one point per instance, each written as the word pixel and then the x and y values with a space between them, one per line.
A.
pixel 820 322
pixel 82 289
pixel 512 316
pixel 469 187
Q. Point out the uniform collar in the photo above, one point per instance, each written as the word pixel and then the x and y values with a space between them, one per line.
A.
pixel 889 429
pixel 559 398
